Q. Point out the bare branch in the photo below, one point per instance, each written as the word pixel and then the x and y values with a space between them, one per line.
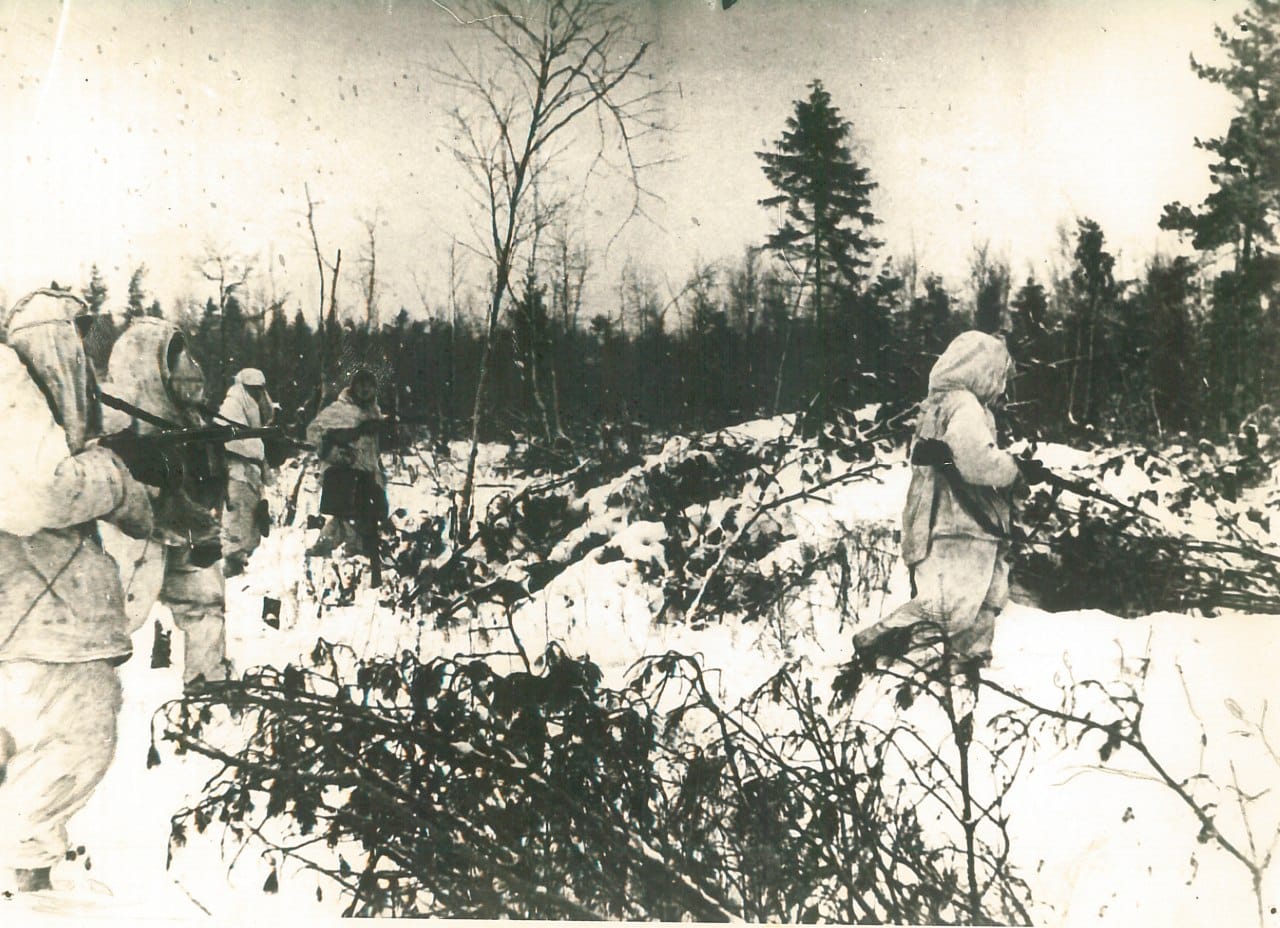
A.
pixel 549 66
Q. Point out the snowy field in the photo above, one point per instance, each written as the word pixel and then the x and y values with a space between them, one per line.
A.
pixel 1097 842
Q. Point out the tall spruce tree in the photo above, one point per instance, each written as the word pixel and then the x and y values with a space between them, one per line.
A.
pixel 102 334
pixel 1237 220
pixel 1093 294
pixel 95 291
pixel 826 198
pixel 137 305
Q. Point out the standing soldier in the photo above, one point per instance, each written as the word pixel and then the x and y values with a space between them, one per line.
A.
pixel 346 434
pixel 245 518
pixel 151 367
pixel 63 629
pixel 957 523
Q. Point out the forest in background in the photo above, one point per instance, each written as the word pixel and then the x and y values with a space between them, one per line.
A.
pixel 819 309
pixel 524 782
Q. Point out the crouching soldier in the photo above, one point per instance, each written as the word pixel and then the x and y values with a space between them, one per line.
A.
pixel 956 525
pixel 353 496
pixel 63 629
pixel 152 369
pixel 245 519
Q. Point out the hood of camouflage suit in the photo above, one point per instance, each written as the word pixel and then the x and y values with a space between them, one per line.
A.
pixel 138 372
pixel 250 377
pixel 243 408
pixel 41 329
pixel 974 361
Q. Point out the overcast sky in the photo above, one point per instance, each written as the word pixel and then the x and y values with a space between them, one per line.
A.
pixel 141 131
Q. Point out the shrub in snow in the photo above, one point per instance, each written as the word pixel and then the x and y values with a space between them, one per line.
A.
pixel 446 789
pixel 1196 537
pixel 459 788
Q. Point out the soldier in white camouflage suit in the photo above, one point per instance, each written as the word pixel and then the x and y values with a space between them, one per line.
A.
pixel 152 368
pixel 63 628
pixel 247 403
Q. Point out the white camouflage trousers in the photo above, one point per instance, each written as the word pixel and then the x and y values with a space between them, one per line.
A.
pixel 57 739
pixel 961 585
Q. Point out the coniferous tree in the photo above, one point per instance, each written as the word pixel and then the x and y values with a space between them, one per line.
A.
pixel 1035 348
pixel 530 330
pixel 1030 313
pixel 992 289
pixel 826 199
pixel 1170 291
pixel 95 292
pixel 331 365
pixel 137 305
pixel 103 332
pixel 1238 218
pixel 930 320
pixel 1093 293
pixel 881 302
pixel 304 358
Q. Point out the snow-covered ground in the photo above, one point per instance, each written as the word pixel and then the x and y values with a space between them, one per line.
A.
pixel 1098 843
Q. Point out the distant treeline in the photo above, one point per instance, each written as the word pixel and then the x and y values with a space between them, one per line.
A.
pixel 1139 358
pixel 815 318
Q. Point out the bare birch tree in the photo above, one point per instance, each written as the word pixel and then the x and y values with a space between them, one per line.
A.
pixel 551 77
pixel 321 264
pixel 369 262
pixel 230 272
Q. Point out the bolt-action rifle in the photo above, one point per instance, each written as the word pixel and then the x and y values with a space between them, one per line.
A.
pixel 151 457
pixel 932 452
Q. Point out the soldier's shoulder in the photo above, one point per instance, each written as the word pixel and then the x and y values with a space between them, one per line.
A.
pixel 954 401
pixel 12 371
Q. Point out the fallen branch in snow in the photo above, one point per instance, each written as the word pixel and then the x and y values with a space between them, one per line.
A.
pixel 822 796
pixel 521 796
pixel 764 508
pixel 1081 557
pixel 1125 730
pixel 467 793
pixel 918 662
pixel 846 438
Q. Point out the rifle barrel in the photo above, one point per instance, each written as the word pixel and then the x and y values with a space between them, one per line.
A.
pixel 1083 489
pixel 218 434
pixel 136 411
pixel 211 413
pixel 173 434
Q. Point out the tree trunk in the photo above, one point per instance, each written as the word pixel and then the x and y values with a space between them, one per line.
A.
pixel 786 341
pixel 1075 372
pixel 463 528
pixel 538 401
pixel 333 303
pixel 315 244
pixel 468 485
pixel 819 315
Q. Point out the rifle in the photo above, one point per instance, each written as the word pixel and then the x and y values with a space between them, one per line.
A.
pixel 1083 489
pixel 273 459
pixel 172 434
pixel 934 452
pixel 291 506
pixel 151 457
pixel 176 437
